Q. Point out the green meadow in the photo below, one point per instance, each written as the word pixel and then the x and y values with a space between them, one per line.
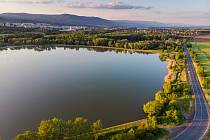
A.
pixel 203 54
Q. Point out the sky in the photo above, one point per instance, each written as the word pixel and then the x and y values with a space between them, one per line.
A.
pixel 194 12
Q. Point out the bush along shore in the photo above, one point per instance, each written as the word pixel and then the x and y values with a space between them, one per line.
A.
pixel 173 101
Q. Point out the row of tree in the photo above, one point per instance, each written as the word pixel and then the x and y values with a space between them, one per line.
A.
pixel 173 100
pixel 130 40
pixel 200 69
pixel 57 129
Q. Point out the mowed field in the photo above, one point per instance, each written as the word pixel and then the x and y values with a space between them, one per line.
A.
pixel 202 48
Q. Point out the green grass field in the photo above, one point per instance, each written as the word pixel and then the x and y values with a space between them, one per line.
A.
pixel 4 34
pixel 203 51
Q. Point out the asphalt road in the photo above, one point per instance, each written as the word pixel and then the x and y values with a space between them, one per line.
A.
pixel 199 125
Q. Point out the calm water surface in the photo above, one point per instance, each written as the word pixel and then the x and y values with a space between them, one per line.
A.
pixel 69 83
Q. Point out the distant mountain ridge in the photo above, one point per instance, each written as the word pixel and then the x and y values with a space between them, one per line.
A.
pixel 68 19
pixel 141 23
pixel 63 19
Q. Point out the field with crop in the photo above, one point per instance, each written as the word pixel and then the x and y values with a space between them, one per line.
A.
pixel 202 50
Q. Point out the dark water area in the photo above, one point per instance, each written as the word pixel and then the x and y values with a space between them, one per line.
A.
pixel 40 85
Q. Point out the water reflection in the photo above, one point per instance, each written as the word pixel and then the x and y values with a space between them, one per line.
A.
pixel 70 82
pixel 72 47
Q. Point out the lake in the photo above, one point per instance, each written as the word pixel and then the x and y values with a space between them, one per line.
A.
pixel 69 83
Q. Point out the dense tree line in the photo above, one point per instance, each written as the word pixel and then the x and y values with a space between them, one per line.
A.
pixel 173 100
pixel 57 129
pixel 82 129
pixel 129 40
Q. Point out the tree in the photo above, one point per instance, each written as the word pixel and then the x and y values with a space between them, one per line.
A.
pixel 101 41
pixel 162 57
pixel 51 129
pixel 151 123
pixel 131 132
pixel 167 87
pixel 110 43
pixel 161 97
pixel 174 116
pixel 200 70
pixel 179 55
pixel 80 128
pixel 208 92
pixel 130 135
pixel 28 135
pixel 57 129
pixel 153 108
pixel 97 125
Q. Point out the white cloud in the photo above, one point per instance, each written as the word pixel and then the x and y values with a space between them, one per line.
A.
pixel 94 5
pixel 30 1
pixel 111 5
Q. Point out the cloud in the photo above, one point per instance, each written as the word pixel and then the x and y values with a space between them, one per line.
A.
pixel 112 5
pixel 94 5
pixel 30 1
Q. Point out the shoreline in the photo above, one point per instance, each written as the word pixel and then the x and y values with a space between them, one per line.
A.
pixel 82 46
pixel 109 129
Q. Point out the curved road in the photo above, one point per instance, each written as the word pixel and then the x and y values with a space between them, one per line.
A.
pixel 199 125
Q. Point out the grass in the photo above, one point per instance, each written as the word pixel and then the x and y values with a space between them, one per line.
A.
pixel 203 51
pixel 139 133
pixel 4 34
pixel 121 127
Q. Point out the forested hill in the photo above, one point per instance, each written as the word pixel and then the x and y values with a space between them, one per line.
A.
pixel 68 19
pixel 64 19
